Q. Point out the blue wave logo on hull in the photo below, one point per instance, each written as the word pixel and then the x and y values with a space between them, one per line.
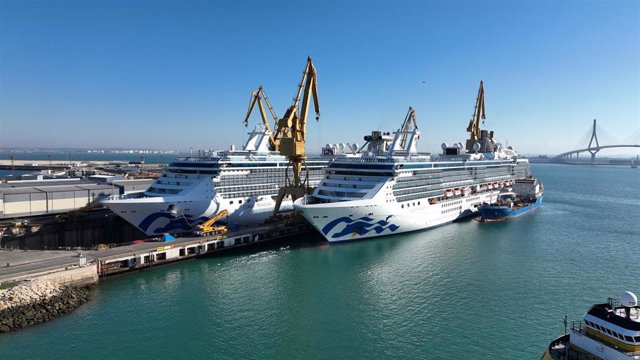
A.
pixel 361 226
pixel 183 223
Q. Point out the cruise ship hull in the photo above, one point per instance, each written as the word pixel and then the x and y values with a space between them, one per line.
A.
pixel 158 215
pixel 154 215
pixel 355 220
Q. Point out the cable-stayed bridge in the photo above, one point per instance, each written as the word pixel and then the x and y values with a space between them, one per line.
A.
pixel 594 147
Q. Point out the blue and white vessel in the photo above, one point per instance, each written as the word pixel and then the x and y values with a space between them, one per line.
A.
pixel 524 197
pixel 608 331
pixel 194 188
pixel 391 188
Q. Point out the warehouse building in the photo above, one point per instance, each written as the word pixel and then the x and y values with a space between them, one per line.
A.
pixel 23 199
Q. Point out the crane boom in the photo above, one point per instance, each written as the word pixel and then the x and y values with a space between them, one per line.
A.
pixel 474 123
pixel 256 97
pixel 213 219
pixel 292 127
pixel 207 228
pixel 406 126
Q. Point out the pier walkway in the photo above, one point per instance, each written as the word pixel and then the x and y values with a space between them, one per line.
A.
pixel 18 265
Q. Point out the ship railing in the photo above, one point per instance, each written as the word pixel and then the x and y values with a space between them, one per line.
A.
pixel 190 157
pixel 421 157
pixel 367 159
pixel 137 195
pixel 311 199
pixel 578 327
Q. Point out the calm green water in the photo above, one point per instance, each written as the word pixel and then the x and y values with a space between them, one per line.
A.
pixel 461 291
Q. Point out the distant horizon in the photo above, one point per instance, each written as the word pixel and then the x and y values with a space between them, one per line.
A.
pixel 68 151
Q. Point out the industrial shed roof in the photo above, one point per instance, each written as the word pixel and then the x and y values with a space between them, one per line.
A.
pixel 50 189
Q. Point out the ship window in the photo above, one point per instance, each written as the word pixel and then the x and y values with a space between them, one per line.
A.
pixel 637 339
pixel 239 201
pixel 628 338
pixel 608 331
pixel 403 206
pixel 231 202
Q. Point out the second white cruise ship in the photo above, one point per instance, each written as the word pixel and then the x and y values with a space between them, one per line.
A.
pixel 391 188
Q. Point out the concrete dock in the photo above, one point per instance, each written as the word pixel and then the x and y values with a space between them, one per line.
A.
pixel 80 267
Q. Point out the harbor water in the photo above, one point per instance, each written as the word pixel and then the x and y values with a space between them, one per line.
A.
pixel 467 290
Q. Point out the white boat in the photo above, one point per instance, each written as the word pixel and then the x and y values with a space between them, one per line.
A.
pixel 608 331
pixel 391 188
pixel 195 188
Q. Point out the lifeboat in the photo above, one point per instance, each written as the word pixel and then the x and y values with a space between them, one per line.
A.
pixel 448 193
pixel 457 192
pixel 433 201
pixel 466 191
pixel 489 186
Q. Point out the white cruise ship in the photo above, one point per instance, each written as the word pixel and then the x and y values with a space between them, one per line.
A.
pixel 193 189
pixel 392 188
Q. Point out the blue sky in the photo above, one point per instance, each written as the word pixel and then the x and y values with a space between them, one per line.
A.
pixel 178 74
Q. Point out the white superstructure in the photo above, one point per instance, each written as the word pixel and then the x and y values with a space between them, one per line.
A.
pixel 391 188
pixel 608 331
pixel 192 189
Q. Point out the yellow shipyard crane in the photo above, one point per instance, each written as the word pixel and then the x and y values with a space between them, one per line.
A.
pixel 290 136
pixel 257 97
pixel 474 123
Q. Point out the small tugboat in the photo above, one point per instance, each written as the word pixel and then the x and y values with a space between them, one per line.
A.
pixel 609 331
pixel 524 197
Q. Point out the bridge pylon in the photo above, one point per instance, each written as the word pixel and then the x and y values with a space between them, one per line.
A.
pixel 593 151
